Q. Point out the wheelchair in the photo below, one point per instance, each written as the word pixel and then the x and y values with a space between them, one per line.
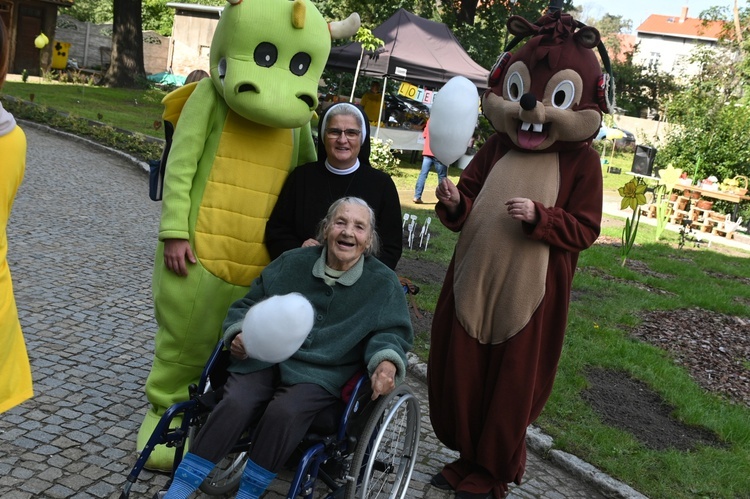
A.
pixel 368 451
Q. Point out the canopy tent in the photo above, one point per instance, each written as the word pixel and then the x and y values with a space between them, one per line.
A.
pixel 416 50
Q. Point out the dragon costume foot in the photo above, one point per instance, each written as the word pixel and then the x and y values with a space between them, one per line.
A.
pixel 162 457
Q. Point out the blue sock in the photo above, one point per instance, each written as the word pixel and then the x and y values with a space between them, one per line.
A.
pixel 188 476
pixel 255 480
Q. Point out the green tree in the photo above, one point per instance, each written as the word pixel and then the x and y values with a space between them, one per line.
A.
pixel 157 16
pixel 610 27
pixel 93 11
pixel 374 13
pixel 639 87
pixel 481 26
pixel 711 117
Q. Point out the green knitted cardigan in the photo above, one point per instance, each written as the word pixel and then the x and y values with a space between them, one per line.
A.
pixel 359 322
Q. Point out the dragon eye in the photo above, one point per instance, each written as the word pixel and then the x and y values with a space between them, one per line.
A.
pixel 514 87
pixel 265 54
pixel 300 63
pixel 563 95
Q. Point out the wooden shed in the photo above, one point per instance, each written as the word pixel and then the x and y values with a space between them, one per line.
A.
pixel 192 33
pixel 25 20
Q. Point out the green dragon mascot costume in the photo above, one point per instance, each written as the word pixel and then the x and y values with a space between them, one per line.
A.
pixel 240 133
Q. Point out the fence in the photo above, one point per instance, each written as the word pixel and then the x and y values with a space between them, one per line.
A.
pixel 91 44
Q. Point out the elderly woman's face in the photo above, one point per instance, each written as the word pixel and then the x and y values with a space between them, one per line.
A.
pixel 348 236
pixel 342 140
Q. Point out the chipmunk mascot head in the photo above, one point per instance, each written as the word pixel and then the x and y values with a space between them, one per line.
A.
pixel 551 93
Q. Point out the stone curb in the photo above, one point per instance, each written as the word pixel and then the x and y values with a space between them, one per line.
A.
pixel 77 138
pixel 542 445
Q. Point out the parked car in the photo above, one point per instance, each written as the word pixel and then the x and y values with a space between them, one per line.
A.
pixel 627 141
pixel 402 112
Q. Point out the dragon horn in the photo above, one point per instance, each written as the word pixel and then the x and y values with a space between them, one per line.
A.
pixel 346 28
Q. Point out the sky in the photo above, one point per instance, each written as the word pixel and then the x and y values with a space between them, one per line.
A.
pixel 639 10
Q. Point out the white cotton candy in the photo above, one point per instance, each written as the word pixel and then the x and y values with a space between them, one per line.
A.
pixel 274 329
pixel 453 118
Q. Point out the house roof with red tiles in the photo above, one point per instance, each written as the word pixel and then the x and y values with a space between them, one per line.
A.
pixel 681 26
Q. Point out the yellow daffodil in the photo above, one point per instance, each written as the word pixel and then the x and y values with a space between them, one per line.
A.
pixel 633 194
pixel 669 176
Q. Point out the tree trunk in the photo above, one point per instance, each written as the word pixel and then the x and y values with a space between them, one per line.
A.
pixel 467 12
pixel 737 27
pixel 126 69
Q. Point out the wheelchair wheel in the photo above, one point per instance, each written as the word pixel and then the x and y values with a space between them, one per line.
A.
pixel 385 455
pixel 225 477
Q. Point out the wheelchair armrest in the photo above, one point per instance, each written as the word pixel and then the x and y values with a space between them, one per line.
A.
pixel 215 370
pixel 359 405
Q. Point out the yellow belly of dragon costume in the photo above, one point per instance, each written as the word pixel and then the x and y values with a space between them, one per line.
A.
pixel 236 205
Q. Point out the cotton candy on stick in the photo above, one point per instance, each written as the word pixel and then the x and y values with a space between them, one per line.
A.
pixel 275 328
pixel 453 118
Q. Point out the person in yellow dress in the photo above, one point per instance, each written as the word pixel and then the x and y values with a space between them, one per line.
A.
pixel 15 372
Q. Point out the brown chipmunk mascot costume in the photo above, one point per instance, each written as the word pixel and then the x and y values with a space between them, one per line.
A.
pixel 526 205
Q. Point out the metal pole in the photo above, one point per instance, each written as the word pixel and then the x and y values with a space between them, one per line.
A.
pixel 356 73
pixel 382 99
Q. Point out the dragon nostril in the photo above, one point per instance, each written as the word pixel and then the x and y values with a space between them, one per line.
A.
pixel 247 87
pixel 528 102
pixel 307 100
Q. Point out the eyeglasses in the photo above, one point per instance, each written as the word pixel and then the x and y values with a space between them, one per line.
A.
pixel 335 133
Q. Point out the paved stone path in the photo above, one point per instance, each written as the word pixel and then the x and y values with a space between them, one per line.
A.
pixel 82 240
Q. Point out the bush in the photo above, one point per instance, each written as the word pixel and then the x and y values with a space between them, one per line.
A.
pixel 136 144
pixel 382 158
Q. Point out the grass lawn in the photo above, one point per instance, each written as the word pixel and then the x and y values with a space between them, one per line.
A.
pixel 610 299
pixel 133 110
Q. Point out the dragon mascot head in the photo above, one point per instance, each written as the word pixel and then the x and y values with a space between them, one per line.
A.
pixel 267 57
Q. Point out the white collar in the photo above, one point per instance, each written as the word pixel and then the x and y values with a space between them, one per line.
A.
pixel 336 171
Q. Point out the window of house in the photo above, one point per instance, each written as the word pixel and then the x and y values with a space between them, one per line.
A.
pixel 654 60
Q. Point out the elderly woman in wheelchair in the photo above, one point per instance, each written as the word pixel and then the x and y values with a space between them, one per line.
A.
pixel 360 319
